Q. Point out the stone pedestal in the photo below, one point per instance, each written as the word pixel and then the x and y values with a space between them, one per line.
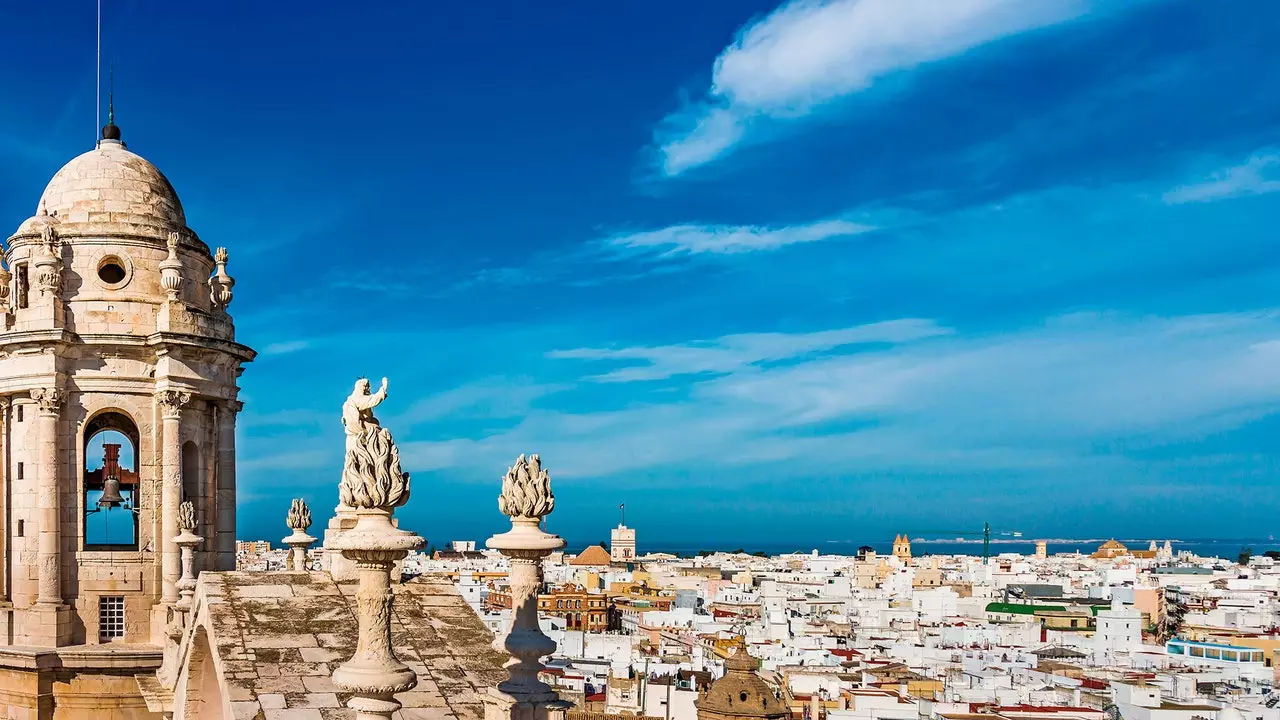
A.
pixel 526 545
pixel 501 706
pixel 527 499
pixel 342 570
pixel 332 560
pixel 47 625
pixel 298 543
pixel 374 675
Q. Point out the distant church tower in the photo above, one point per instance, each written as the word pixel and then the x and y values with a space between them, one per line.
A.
pixel 902 548
pixel 622 541
pixel 118 370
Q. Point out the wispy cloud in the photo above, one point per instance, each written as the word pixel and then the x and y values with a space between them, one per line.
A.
pixel 731 239
pixel 286 347
pixel 495 398
pixel 810 52
pixel 1259 176
pixel 735 352
pixel 1042 397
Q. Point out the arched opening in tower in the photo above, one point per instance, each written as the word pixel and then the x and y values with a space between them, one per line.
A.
pixel 111 488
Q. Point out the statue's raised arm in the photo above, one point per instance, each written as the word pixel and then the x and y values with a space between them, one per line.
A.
pixel 357 411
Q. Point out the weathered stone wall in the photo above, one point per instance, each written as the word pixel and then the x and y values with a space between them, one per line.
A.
pixel 42 685
pixel 277 637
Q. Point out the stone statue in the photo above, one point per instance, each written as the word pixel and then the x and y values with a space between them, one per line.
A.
pixel 357 411
pixel 48 264
pixel 49 238
pixel 374 486
pixel 371 474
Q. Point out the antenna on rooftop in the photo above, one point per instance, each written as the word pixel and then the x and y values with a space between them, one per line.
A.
pixel 97 96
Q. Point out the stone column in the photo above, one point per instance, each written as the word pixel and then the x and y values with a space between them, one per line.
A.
pixel 6 501
pixel 527 499
pixel 225 532
pixel 48 501
pixel 374 485
pixel 171 403
pixel 187 540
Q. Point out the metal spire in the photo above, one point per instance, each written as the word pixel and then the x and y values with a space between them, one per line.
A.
pixel 97 93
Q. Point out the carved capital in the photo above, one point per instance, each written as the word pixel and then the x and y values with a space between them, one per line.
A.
pixel 231 406
pixel 171 403
pixel 49 399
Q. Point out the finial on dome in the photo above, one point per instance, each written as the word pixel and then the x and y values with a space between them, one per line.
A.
pixel 111 131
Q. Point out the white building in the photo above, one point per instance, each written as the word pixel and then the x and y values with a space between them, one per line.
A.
pixel 1119 632
pixel 622 544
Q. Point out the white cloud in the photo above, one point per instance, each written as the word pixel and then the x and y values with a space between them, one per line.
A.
pixel 735 352
pixel 1259 176
pixel 491 399
pixel 287 347
pixel 809 52
pixel 1043 397
pixel 730 239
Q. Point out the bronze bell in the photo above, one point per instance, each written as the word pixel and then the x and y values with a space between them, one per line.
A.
pixel 111 493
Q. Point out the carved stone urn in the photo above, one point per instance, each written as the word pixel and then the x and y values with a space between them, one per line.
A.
pixel 187 540
pixel 298 520
pixel 527 499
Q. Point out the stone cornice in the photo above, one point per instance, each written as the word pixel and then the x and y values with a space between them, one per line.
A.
pixel 162 341
pixel 83 657
pixel 112 234
pixel 14 339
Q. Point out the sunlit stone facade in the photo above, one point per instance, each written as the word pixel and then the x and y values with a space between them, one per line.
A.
pixel 115 341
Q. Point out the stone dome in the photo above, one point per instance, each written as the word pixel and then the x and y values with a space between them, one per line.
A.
pixel 110 184
pixel 741 692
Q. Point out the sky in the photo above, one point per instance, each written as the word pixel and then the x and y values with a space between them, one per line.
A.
pixel 809 271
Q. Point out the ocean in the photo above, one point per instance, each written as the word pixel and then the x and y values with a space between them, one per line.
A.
pixel 1228 548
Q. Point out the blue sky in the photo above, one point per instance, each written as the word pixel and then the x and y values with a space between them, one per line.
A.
pixel 823 270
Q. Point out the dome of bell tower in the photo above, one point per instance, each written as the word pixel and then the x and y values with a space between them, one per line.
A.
pixel 111 184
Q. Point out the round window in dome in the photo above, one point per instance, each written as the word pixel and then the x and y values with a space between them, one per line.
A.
pixel 113 271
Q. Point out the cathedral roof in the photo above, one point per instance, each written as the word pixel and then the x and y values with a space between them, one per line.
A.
pixel 110 184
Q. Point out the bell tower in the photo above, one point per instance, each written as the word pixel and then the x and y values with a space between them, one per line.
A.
pixel 118 401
